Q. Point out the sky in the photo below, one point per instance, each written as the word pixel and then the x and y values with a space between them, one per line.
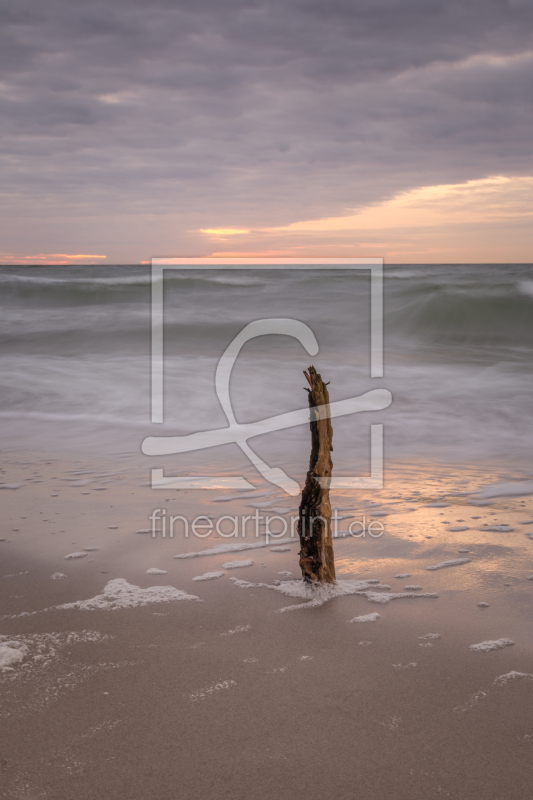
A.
pixel 393 128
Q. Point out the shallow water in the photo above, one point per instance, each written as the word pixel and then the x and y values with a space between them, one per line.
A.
pixel 75 360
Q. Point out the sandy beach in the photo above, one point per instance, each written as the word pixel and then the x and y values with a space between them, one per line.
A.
pixel 214 690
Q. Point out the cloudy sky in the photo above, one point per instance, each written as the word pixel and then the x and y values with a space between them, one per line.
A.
pixel 395 128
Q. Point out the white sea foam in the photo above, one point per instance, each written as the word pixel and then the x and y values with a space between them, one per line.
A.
pixel 501 528
pixel 512 676
pixel 411 588
pixel 57 576
pixel 201 694
pixel 472 701
pixel 75 555
pixel 454 562
pixel 15 574
pixel 317 595
pixel 238 629
pixel 374 597
pixel 11 653
pixel 221 549
pixel 36 676
pixel 366 617
pixel 490 645
pixel 118 593
pixel 209 576
pixel 430 636
pixel 156 571
pixel 410 665
pixel 237 564
pixel 403 575
pixel 483 605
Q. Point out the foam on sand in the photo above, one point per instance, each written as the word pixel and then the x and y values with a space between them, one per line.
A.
pixel 118 593
pixel 366 618
pixel 317 595
pixel 156 571
pixel 230 548
pixel 491 644
pixel 57 576
pixel 500 528
pixel 512 676
pixel 201 694
pixel 454 562
pixel 209 576
pixel 11 653
pixel 237 564
pixel 374 597
pixel 238 629
pixel 34 674
pixel 76 555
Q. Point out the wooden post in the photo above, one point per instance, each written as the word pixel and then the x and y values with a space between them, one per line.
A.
pixel 314 523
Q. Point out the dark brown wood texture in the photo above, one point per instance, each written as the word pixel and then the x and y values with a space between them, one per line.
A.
pixel 314 523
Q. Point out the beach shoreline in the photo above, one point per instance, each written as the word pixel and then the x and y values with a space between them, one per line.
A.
pixel 165 698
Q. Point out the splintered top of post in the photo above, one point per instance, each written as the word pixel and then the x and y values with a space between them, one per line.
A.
pixel 313 378
pixel 318 396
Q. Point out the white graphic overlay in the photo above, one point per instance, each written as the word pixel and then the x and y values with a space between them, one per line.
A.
pixel 374 400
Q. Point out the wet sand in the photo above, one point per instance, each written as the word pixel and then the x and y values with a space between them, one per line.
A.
pixel 226 697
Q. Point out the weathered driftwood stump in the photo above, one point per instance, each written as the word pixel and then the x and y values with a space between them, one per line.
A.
pixel 314 523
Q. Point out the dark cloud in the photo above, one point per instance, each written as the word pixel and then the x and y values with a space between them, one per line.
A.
pixel 227 113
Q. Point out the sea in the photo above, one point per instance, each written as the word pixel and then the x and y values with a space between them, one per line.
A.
pixel 75 359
